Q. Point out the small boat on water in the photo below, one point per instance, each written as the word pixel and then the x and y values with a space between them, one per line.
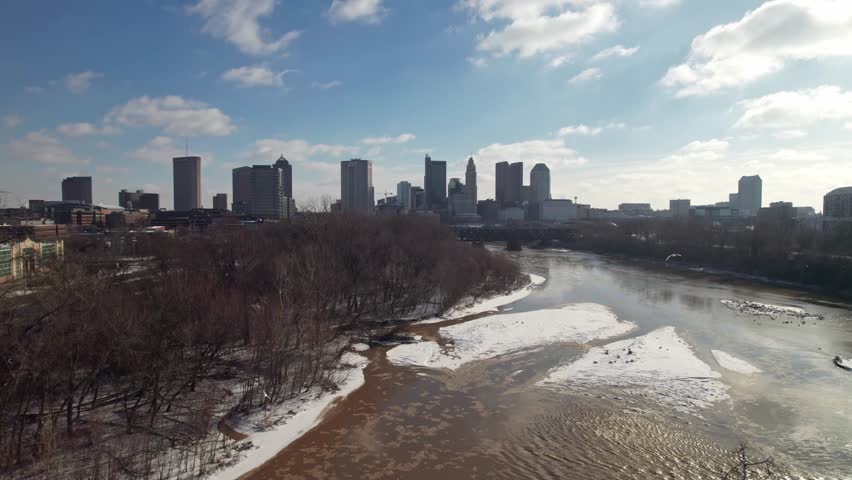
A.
pixel 844 363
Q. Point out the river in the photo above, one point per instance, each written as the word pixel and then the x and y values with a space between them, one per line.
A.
pixel 490 419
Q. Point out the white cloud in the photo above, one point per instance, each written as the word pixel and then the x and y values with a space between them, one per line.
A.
pixel 658 3
pixel 255 76
pixel 79 83
pixel 43 147
pixel 160 149
pixel 586 75
pixel 560 60
pixel 531 27
pixel 793 109
pixel 12 120
pixel 616 51
pixel 237 21
pixel 579 130
pixel 327 85
pixel 367 11
pixel 478 62
pixel 34 89
pixel 83 129
pixel 552 152
pixel 404 138
pixel 267 150
pixel 790 134
pixel 173 114
pixel 762 43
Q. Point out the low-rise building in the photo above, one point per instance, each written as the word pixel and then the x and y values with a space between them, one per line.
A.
pixel 679 208
pixel 19 259
pixel 635 209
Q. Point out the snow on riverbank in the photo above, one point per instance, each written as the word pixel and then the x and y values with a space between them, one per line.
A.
pixel 486 305
pixel 734 364
pixel 659 366
pixel 271 431
pixel 755 308
pixel 493 336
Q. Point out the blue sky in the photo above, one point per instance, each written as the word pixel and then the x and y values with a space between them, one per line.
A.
pixel 625 100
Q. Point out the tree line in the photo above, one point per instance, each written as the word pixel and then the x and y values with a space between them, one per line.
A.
pixel 781 250
pixel 123 369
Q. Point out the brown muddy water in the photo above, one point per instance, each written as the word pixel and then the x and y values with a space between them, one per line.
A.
pixel 489 420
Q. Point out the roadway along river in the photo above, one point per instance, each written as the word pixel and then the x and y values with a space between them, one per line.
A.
pixel 512 417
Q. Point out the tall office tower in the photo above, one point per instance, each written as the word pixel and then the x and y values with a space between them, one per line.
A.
pixel 734 200
pixel 838 203
pixel 500 183
pixel 427 180
pixel 515 182
pixel 77 189
pixel 403 195
pixel 539 183
pixel 470 182
pixel 750 195
pixel 418 198
pixel 286 175
pixel 267 198
pixel 356 186
pixel 187 183
pixel 220 201
pixel 241 190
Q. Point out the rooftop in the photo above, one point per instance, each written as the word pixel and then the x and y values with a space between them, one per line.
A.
pixel 841 191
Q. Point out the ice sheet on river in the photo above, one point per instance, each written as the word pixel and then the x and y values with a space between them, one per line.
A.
pixel 491 304
pixel 497 335
pixel 659 367
pixel 755 308
pixel 734 364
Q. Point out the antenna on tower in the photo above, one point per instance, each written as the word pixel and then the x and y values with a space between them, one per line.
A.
pixel 187 145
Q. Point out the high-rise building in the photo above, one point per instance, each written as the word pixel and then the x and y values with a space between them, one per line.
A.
pixel 356 186
pixel 286 175
pixel 501 177
pixel 139 200
pixel 539 183
pixel 734 200
pixel 435 183
pixel 679 208
pixel 403 195
pixel 241 190
pixel 77 189
pixel 418 198
pixel 470 182
pixel 220 201
pixel 838 203
pixel 750 195
pixel 187 183
pixel 515 183
pixel 267 198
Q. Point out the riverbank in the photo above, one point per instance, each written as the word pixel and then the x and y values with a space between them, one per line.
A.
pixel 694 268
pixel 263 434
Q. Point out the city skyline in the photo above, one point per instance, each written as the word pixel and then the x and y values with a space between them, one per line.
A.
pixel 637 108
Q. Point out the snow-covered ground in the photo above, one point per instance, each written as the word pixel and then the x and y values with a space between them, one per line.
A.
pixel 497 335
pixel 486 305
pixel 755 308
pixel 734 364
pixel 659 366
pixel 272 430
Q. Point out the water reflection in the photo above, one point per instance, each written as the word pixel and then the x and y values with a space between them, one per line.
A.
pixel 487 420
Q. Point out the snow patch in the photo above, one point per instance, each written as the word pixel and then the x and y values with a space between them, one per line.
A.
pixel 755 308
pixel 270 431
pixel 360 347
pixel 492 304
pixel 734 364
pixel 490 337
pixel 659 366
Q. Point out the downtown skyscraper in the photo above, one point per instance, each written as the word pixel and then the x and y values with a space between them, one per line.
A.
pixel 356 186
pixel 187 183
